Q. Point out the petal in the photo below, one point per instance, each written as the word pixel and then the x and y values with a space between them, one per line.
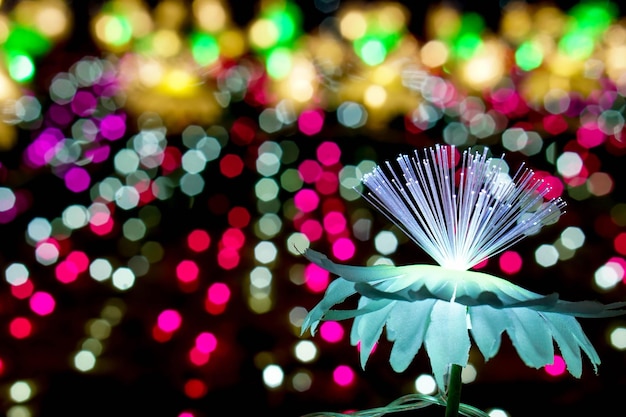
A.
pixel 590 309
pixel 337 292
pixel 419 282
pixel 570 338
pixel 531 336
pixel 368 328
pixel 372 306
pixel 447 340
pixel 349 272
pixel 406 328
pixel 488 324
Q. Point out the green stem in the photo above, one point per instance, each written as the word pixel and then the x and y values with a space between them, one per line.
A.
pixel 454 391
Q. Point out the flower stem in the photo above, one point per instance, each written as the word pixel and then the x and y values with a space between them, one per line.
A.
pixel 454 391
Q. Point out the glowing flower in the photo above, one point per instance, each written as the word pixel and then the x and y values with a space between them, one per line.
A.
pixel 459 217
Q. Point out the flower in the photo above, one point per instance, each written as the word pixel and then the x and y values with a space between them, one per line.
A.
pixel 459 216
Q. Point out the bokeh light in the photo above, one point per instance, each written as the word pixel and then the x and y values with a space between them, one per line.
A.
pixel 164 164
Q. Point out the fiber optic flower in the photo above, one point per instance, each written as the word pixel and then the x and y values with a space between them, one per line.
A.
pixel 459 216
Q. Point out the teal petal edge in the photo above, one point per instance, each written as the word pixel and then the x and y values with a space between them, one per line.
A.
pixel 430 306
pixel 470 288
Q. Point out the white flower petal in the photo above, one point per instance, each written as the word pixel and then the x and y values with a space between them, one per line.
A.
pixel 488 324
pixel 530 336
pixel 447 341
pixel 406 328
pixel 367 328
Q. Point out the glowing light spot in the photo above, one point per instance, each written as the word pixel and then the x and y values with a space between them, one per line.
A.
pixel 608 276
pixel 600 184
pixel 372 51
pixel 546 255
pixel 233 238
pixel 572 237
pixel 498 412
pixel 22 291
pixel 306 200
pixel 7 199
pixel 316 278
pixel 20 328
pixel 112 126
pixel 425 384
pixel 206 342
pixel 279 63
pixel 266 189
pixel 351 114
pixel 375 96
pixel 47 253
pixel 311 122
pixel 38 229
pixel 127 197
pixel 239 217
pixel 187 271
pixel 552 185
pixel 434 53
pixel 218 295
pixel 231 165
pixel 617 337
pixel 327 184
pixel 197 357
pixel 343 375
pixel 569 164
pixel 169 320
pixel 84 360
pixel 309 171
pixel 334 222
pixel 386 242
pixel 66 272
pixel 328 153
pixel 100 269
pixel 265 252
pixel 302 381
pixel 510 262
pixel 21 67
pixel 619 243
pixel 198 240
pixel 20 391
pixel 16 274
pixel 331 331
pixel 195 388
pixel 557 367
pixel 589 136
pixel 123 278
pixel 263 33
pixel 228 258
pixel 343 248
pixel 312 229
pixel 191 184
pixel 353 25
pixel 305 351
pixel 468 374
pixel 159 335
pixel 42 303
pixel 273 376
pixel 79 259
pixel 75 216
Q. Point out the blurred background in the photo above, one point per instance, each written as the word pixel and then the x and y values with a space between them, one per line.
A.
pixel 162 162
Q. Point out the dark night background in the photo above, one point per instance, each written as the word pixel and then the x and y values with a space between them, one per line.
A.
pixel 138 375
